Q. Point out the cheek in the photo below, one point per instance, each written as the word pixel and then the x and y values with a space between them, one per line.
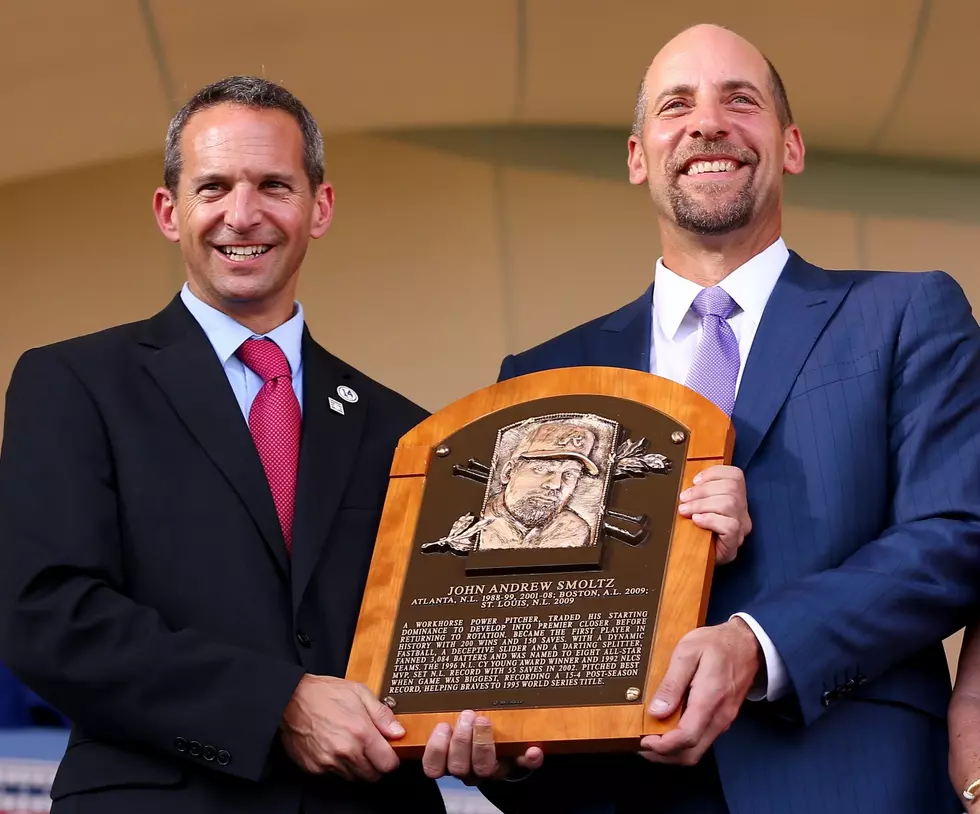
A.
pixel 199 218
pixel 771 162
pixel 751 135
pixel 660 150
pixel 521 483
pixel 291 217
pixel 663 140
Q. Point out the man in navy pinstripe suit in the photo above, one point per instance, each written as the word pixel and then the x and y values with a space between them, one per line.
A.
pixel 819 685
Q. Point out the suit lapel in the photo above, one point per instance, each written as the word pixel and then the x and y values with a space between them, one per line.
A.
pixel 624 338
pixel 185 366
pixel 327 453
pixel 802 302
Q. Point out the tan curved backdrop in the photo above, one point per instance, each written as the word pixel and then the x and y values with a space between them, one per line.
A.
pixel 478 153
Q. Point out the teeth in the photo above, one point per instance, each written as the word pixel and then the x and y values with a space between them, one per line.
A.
pixel 243 252
pixel 711 166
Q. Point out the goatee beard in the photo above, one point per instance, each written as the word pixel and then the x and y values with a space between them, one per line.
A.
pixel 534 511
pixel 713 218
pixel 719 219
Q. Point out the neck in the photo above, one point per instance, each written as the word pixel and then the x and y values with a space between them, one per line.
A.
pixel 707 260
pixel 259 316
pixel 259 322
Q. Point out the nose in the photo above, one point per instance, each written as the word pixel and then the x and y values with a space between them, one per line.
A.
pixel 709 122
pixel 243 212
pixel 553 481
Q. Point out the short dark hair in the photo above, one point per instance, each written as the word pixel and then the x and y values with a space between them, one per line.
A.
pixel 252 92
pixel 783 111
pixel 776 87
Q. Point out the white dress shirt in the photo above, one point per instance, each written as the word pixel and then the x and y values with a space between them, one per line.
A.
pixel 675 336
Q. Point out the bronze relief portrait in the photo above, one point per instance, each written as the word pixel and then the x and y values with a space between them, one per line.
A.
pixel 548 483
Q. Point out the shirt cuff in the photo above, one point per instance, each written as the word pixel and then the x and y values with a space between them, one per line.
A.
pixel 775 669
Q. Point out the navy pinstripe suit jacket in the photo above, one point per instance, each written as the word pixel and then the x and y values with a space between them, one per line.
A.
pixel 858 429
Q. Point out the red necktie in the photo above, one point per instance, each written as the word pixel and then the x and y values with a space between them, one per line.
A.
pixel 275 422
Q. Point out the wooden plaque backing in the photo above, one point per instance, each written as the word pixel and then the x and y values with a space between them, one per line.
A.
pixel 687 578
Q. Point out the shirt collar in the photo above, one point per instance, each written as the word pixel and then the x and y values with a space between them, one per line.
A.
pixel 749 285
pixel 226 335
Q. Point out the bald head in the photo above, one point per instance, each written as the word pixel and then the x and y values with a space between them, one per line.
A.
pixel 714 139
pixel 712 39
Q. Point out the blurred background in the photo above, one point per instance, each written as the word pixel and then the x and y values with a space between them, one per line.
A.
pixel 478 154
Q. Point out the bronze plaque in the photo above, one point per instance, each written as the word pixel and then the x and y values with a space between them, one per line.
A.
pixel 538 559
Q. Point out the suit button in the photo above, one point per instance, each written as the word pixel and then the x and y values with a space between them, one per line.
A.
pixel 828 698
pixel 195 748
pixel 210 752
pixel 303 639
pixel 224 758
pixel 180 745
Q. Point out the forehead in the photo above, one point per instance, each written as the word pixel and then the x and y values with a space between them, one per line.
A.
pixel 230 137
pixel 705 61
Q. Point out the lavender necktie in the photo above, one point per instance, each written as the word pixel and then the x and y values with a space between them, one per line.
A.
pixel 716 360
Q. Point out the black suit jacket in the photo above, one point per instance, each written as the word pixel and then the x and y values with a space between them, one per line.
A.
pixel 147 592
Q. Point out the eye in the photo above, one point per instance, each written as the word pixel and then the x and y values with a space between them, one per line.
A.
pixel 673 105
pixel 743 99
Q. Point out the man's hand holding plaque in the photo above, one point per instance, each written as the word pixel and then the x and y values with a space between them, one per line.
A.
pixel 714 668
pixel 717 502
pixel 336 726
pixel 467 751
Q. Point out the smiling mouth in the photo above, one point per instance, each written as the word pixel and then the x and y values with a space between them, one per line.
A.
pixel 703 167
pixel 240 253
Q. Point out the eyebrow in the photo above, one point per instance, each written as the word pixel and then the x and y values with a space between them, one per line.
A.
pixel 207 178
pixel 690 90
pixel 220 178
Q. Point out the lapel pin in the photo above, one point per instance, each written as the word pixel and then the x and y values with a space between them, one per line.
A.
pixel 347 394
pixel 335 405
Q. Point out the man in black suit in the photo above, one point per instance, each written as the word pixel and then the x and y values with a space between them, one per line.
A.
pixel 188 506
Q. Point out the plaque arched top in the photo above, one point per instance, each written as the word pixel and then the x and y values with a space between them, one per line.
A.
pixel 711 433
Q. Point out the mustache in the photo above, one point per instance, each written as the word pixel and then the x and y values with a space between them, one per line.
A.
pixel 540 497
pixel 707 149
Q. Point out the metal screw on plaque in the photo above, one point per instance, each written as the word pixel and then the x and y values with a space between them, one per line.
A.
pixel 632 693
pixel 389 701
pixel 442 450
pixel 677 437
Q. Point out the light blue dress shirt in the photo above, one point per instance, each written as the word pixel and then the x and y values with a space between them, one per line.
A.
pixel 226 337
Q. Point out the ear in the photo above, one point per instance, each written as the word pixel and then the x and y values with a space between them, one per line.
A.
pixel 637 161
pixel 794 151
pixel 505 472
pixel 322 211
pixel 165 211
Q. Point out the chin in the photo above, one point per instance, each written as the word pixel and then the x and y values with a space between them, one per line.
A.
pixel 245 291
pixel 723 192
